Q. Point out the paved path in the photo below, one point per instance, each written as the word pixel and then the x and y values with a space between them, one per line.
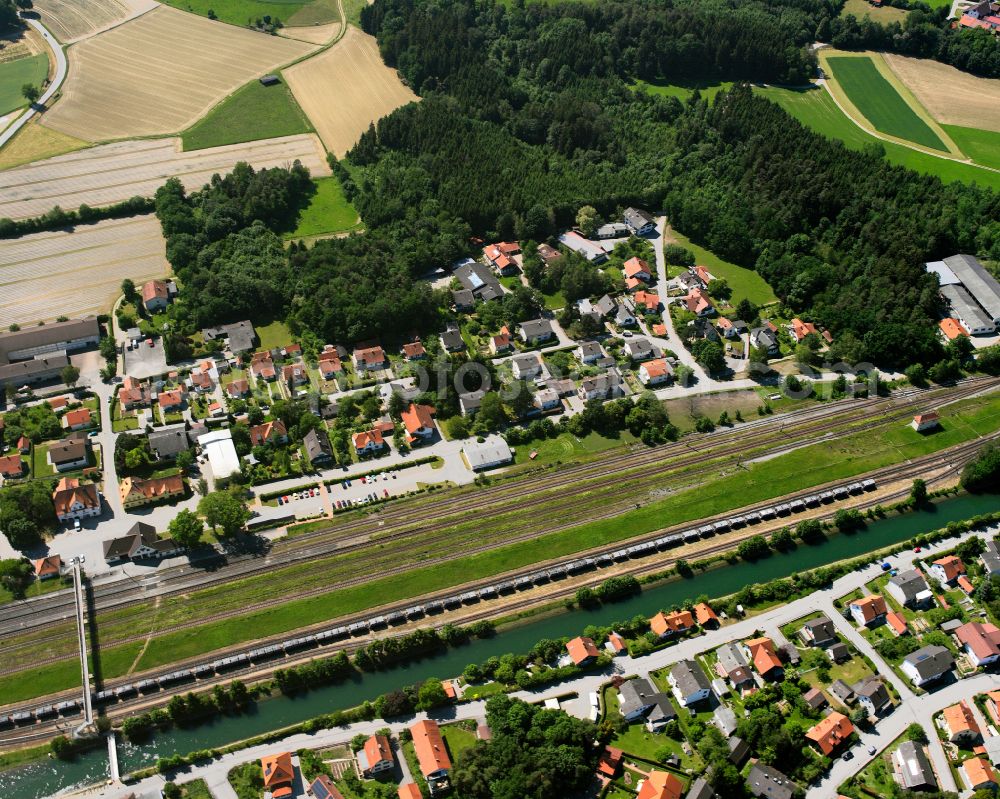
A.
pixel 61 68
pixel 917 708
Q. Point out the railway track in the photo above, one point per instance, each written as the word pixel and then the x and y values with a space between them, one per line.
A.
pixel 957 457
pixel 380 528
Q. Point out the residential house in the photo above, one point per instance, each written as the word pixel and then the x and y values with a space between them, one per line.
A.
pixel 638 698
pixel 689 280
pixel 526 366
pixel 990 558
pixel 549 255
pixel 432 756
pixel 279 774
pixel 639 222
pixel 704 276
pixel 605 306
pixel 140 543
pixel 262 366
pixel 535 331
pixel 868 611
pixel 640 349
pixel 660 785
pixel 910 589
pixel 376 757
pixel 369 359
pixel 764 781
pixel 947 570
pixel 419 423
pixel 872 695
pixel 624 317
pixel 896 623
pixel 451 340
pixel 828 735
pixel 984 15
pixel 368 442
pixel 323 788
pixel 609 764
pixel 77 419
pixel 501 342
pixel 168 443
pixel 923 422
pixel 912 768
pixel 239 389
pixel 667 624
pixel 980 641
pixel 705 616
pixel 409 790
pixel 47 568
pixel 612 230
pixel 815 698
pixel 952 329
pixel 171 401
pixel 582 651
pixel 463 300
pixel 842 692
pixel 502 257
pixel 155 295
pixel 603 386
pixel 480 281
pixel 762 654
pixel 818 632
pixel 761 338
pixel 646 301
pixel 201 382
pixel 699 303
pixel 700 790
pixel 724 719
pixel 469 402
pixel 69 453
pixel 594 253
pixel 133 394
pixel 927 664
pixel 589 351
pixel 616 644
pixel 637 268
pixel 689 683
pixel 136 492
pixel 547 399
pixel 799 330
pixel 11 466
pixel 318 448
pixel 739 750
pixel 960 725
pixel 655 372
pixel 273 433
pixel 294 374
pixel 732 665
pixel 979 774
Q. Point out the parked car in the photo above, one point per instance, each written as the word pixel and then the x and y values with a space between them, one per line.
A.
pixel 76 524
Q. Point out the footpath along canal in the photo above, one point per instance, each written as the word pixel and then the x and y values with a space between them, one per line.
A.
pixel 48 777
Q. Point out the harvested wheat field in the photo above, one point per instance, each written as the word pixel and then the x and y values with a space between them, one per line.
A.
pixel 951 96
pixel 345 89
pixel 159 73
pixel 317 34
pixel 71 20
pixel 111 173
pixel 35 141
pixel 79 272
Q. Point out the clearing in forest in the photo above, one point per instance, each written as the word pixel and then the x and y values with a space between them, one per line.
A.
pixel 77 272
pixel 111 173
pixel 345 89
pixel 159 73
pixel 953 97
pixel 878 101
pixel 72 20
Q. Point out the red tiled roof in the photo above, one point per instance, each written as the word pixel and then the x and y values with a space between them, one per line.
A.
pixel 802 329
pixel 580 649
pixel 269 431
pixel 48 565
pixel 951 566
pixel 76 417
pixel 610 761
pixel 704 614
pixel 277 770
pixel 979 772
pixel 661 785
pixel 154 289
pixel 982 638
pixel 414 349
pixel 648 298
pixel 871 607
pixel 677 621
pixel 952 329
pixel 377 749
pixel 831 732
pixel 429 747
pixel 409 791
pixel 11 466
pixel 416 417
pixel 765 659
pixel 959 719
pixel 367 437
pixel 635 266
pixel 897 622
pixel 704 275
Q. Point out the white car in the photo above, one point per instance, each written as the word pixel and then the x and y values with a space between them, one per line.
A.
pixel 76 524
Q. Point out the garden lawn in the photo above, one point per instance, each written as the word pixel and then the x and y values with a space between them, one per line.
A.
pixel 815 109
pixel 567 447
pixel 196 789
pixel 328 211
pixel 880 103
pixel 457 739
pixel 745 283
pixel 252 112
pixel 14 74
pixel 274 335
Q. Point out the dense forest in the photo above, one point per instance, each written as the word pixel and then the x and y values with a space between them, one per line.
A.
pixel 530 112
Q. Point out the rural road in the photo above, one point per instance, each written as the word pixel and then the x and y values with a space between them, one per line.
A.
pixel 61 69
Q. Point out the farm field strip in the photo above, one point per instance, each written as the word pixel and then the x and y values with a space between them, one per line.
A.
pixel 159 72
pixel 345 89
pixel 878 101
pixel 43 275
pixel 114 172
pixel 69 21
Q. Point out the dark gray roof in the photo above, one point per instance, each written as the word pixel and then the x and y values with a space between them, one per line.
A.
pixel 874 690
pixel 766 781
pixel 463 298
pixel 839 651
pixel 979 283
pixel 241 336
pixel 317 446
pixel 689 677
pixel 914 767
pixel 637 694
pixel 637 218
pixel 966 308
pixel 605 305
pixel 452 340
pixel 588 348
pixel 169 443
pixel 478 279
pixel 842 691
pixel 13 374
pixel 739 750
pixel 910 583
pixel 821 628
pixel 730 657
pixel 639 347
pixel 46 335
pixel 537 328
pixel 700 790
pixel 991 558
pixel 471 400
pixel 930 661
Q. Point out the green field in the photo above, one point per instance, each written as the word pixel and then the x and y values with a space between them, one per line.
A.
pixel 244 12
pixel 14 74
pixel 880 103
pixel 683 89
pixel 744 282
pixel 252 112
pixel 328 211
pixel 982 146
pixel 815 109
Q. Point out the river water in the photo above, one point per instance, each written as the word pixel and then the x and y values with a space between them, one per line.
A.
pixel 48 777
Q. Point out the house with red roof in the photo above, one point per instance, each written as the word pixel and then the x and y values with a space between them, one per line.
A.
pixel 702 273
pixel 501 257
pixel 294 374
pixel 11 466
pixel 896 623
pixel 979 774
pixel 616 644
pixel 155 295
pixel 952 329
pixel 376 757
pixel 647 301
pixel 172 400
pixel 699 303
pixel 368 442
pixel 409 790
pixel 77 419
pixel 868 611
pixel 799 329
pixel 369 359
pixel 414 350
pixel 705 616
pixel 960 725
pixel 75 500
pixel 947 570
pixel 637 269
pixel 660 785
pixel 238 389
pixel 830 733
pixel 761 652
pixel 926 421
pixel 582 651
pixel 419 423
pixel 278 773
pixel 432 756
pixel 268 433
pixel 667 624
pixel 48 567
pixel 501 342
pixel 610 762
pixel 133 394
pixel 655 372
pixel 980 641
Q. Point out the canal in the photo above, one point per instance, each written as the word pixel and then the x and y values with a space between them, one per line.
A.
pixel 45 778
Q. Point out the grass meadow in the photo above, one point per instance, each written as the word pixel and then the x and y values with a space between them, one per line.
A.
pixel 14 74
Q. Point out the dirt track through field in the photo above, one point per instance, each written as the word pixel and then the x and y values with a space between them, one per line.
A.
pixel 345 89
pixel 159 73
pixel 111 173
pixel 951 96
pixel 46 275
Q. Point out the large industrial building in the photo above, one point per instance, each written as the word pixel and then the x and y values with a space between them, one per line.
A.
pixel 972 293
pixel 40 353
